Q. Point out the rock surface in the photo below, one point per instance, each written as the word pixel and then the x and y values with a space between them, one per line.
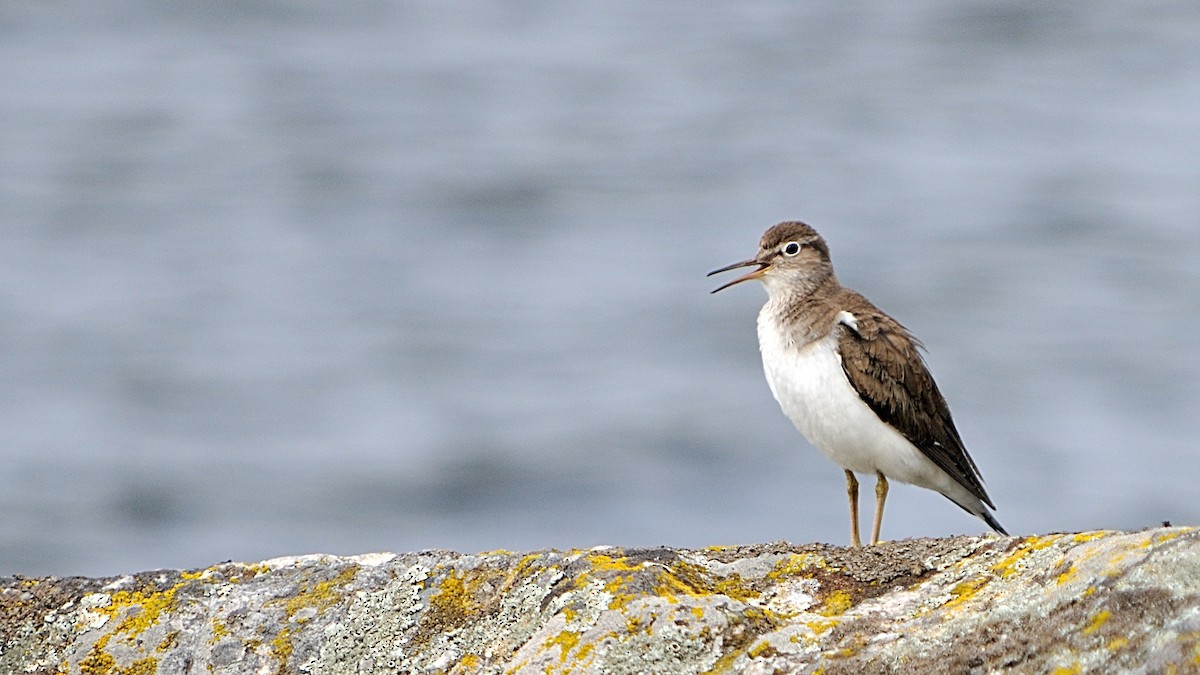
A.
pixel 1088 602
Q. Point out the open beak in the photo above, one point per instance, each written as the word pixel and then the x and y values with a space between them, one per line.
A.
pixel 762 268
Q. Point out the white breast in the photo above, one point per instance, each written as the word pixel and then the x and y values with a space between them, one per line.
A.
pixel 811 387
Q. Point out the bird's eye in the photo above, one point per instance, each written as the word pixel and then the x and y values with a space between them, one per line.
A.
pixel 791 248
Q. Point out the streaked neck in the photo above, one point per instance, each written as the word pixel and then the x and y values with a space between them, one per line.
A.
pixel 806 312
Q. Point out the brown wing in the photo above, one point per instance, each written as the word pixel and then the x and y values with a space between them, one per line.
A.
pixel 880 358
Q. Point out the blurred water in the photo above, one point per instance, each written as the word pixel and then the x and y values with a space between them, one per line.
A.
pixel 278 278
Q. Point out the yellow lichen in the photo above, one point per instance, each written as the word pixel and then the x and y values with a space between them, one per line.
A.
pixel 219 630
pixel 1160 537
pixel 605 563
pixel 460 597
pixel 796 564
pixel 453 604
pixel 319 596
pixel 519 572
pixel 1116 643
pixel 620 600
pixel 725 663
pixel 97 662
pixel 766 617
pixel 519 667
pixel 566 640
pixel 614 585
pixel 146 666
pixel 821 625
pixel 133 612
pixel 281 647
pixel 469 662
pixel 245 572
pixel 100 662
pixel 633 624
pixel 228 573
pixel 1073 669
pixel 322 595
pixel 525 563
pixel 1011 564
pixel 763 648
pixel 965 591
pixel 1066 576
pixel 168 641
pixel 698 612
pixel 679 579
pixel 692 580
pixel 1097 621
pixel 748 626
pixel 837 603
pixel 138 610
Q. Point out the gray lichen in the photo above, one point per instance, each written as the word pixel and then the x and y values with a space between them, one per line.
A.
pixel 1098 601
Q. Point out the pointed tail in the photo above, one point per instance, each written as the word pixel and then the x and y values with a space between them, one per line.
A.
pixel 992 522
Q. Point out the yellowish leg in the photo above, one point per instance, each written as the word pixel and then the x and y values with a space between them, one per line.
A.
pixel 852 491
pixel 881 490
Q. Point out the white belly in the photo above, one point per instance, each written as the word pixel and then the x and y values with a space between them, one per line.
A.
pixel 813 391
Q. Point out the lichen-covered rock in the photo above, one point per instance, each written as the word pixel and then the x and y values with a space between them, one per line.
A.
pixel 1097 601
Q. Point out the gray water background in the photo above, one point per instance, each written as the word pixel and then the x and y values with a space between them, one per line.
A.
pixel 292 277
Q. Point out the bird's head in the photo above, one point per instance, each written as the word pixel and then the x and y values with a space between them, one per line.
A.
pixel 792 258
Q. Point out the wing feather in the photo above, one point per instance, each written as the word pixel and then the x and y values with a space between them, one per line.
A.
pixel 881 360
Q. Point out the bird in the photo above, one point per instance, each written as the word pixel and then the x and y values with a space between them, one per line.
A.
pixel 852 381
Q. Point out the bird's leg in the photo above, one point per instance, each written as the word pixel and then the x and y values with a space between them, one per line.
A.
pixel 881 490
pixel 852 491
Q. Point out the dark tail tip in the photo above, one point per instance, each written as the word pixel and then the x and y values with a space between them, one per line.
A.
pixel 993 523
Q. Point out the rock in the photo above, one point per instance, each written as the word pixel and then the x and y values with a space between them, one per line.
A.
pixel 1094 601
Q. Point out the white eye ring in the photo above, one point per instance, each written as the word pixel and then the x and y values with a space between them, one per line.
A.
pixel 790 249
